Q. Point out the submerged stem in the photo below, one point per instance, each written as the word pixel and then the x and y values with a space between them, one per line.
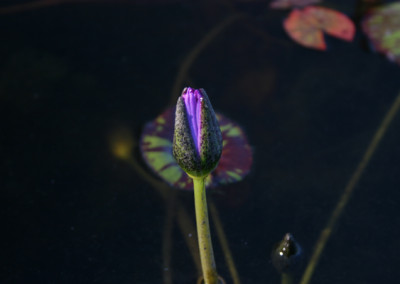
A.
pixel 195 52
pixel 286 278
pixel 224 244
pixel 344 199
pixel 203 232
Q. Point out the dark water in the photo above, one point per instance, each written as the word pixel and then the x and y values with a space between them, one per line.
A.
pixel 73 213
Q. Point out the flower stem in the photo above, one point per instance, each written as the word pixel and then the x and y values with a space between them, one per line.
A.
pixel 203 232
pixel 286 278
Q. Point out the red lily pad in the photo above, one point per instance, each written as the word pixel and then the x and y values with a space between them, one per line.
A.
pixel 287 4
pixel 156 148
pixel 382 26
pixel 307 26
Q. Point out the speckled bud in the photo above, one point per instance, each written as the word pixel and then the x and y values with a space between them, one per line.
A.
pixel 197 144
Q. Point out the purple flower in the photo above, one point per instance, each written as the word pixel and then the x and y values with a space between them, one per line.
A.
pixel 193 100
pixel 197 144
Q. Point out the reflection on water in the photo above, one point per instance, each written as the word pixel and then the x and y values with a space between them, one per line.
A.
pixel 72 74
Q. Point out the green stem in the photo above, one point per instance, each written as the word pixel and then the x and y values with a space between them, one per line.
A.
pixel 348 191
pixel 286 278
pixel 203 232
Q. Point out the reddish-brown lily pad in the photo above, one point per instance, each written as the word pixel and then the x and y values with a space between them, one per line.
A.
pixel 307 26
pixel 156 148
pixel 382 26
pixel 287 4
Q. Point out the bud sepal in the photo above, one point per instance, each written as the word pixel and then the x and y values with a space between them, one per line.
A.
pixel 197 143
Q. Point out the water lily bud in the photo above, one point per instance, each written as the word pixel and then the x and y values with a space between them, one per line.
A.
pixel 286 254
pixel 197 144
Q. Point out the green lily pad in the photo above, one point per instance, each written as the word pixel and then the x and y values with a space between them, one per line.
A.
pixel 156 148
pixel 382 26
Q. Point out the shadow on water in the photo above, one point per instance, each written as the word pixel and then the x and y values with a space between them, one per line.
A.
pixel 75 212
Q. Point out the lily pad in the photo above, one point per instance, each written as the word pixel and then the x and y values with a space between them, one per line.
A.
pixel 307 26
pixel 382 26
pixel 156 148
pixel 287 4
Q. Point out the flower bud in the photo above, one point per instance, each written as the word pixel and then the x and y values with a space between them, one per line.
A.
pixel 197 144
pixel 286 254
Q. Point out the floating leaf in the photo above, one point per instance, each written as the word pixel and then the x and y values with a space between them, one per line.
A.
pixel 156 148
pixel 306 26
pixel 382 26
pixel 287 4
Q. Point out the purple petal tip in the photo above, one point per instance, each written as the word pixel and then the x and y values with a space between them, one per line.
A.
pixel 193 99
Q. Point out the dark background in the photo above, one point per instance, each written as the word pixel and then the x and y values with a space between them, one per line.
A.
pixel 72 73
